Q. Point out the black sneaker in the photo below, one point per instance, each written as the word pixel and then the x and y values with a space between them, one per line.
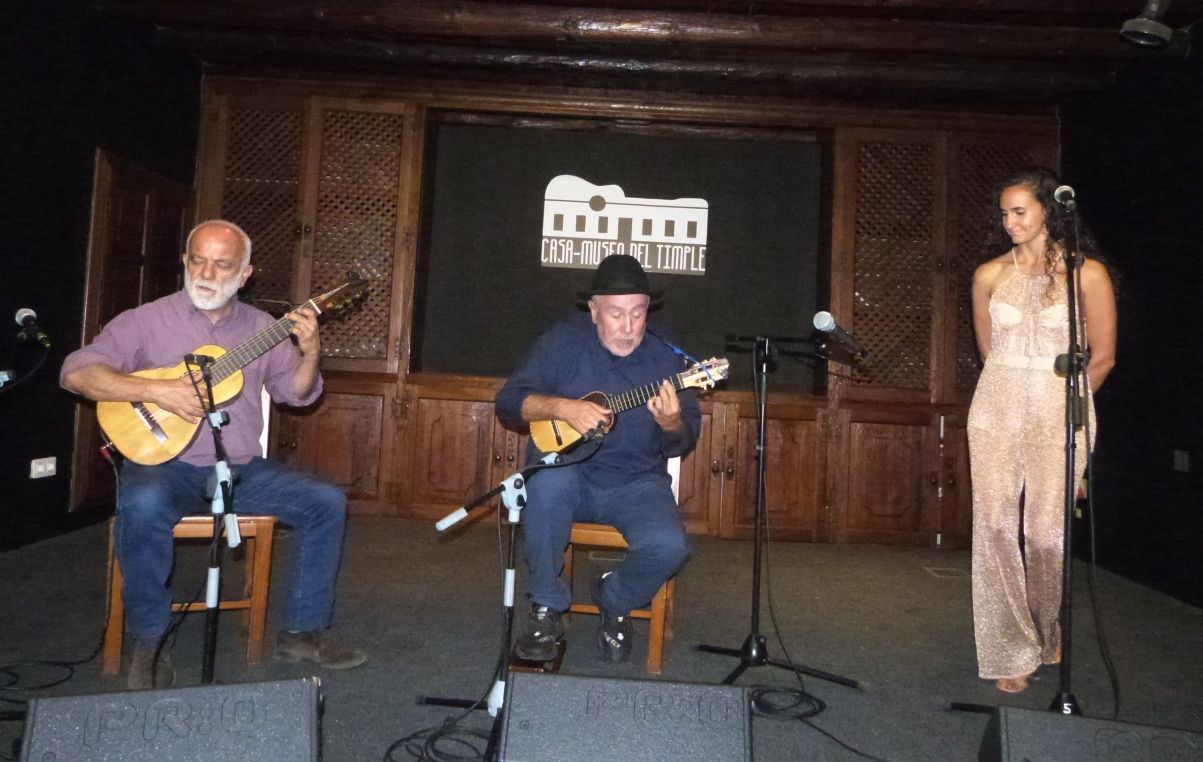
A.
pixel 541 640
pixel 614 635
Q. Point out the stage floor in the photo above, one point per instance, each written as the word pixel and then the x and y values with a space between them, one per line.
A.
pixel 426 609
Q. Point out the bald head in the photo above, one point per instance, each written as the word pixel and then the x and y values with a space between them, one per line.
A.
pixel 216 264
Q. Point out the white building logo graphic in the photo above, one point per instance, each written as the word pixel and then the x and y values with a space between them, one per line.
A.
pixel 583 223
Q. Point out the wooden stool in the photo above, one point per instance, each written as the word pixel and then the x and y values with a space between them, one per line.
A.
pixel 660 615
pixel 257 534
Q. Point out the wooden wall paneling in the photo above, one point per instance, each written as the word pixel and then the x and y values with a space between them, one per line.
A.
pixel 955 525
pixel 836 425
pixel 345 438
pixel 795 467
pixel 138 223
pixel 723 467
pixel 892 475
pixel 406 246
pixel 509 456
pixel 890 248
pixel 451 441
pixel 352 221
pixel 698 513
pixel 250 171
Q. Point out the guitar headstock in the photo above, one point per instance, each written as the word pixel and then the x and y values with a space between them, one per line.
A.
pixel 341 297
pixel 705 375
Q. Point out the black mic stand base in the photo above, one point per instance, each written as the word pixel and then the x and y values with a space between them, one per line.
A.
pixel 1065 703
pixel 754 653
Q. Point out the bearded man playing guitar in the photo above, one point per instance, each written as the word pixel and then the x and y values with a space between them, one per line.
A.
pixel 153 498
pixel 625 482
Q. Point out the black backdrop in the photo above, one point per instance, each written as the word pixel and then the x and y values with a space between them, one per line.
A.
pixel 482 296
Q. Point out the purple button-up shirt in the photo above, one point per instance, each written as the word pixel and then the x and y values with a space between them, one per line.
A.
pixel 158 334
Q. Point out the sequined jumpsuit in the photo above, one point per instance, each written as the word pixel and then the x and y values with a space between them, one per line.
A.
pixel 1016 433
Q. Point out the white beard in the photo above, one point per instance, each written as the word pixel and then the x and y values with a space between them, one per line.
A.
pixel 222 292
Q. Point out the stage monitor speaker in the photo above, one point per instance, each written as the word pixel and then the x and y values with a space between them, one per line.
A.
pixel 1028 735
pixel 249 722
pixel 554 717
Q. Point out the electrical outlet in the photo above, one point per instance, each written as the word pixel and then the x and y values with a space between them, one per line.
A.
pixel 40 468
pixel 1182 461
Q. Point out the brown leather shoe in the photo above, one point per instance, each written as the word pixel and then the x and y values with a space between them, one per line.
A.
pixel 317 648
pixel 144 673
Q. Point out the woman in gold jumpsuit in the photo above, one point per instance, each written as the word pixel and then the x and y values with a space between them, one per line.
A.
pixel 1017 426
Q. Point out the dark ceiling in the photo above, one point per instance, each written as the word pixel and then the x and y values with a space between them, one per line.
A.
pixel 1032 51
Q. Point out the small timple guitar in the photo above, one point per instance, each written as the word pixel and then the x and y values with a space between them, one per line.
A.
pixel 147 434
pixel 555 435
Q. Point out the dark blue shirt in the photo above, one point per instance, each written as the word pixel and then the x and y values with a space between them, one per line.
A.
pixel 570 361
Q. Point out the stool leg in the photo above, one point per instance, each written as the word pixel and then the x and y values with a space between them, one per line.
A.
pixel 655 633
pixel 260 576
pixel 568 557
pixel 114 630
pixel 670 606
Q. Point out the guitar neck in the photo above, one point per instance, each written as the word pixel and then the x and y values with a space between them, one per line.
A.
pixel 240 356
pixel 639 395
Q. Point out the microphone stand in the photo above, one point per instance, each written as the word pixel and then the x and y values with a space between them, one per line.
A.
pixel 222 510
pixel 754 652
pixel 513 494
pixel 1075 416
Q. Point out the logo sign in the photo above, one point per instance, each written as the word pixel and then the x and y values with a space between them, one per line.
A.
pixel 583 223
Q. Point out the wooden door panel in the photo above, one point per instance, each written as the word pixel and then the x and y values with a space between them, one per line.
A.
pixel 356 205
pixel 338 440
pixel 693 491
pixel 251 174
pixel 892 478
pixel 794 485
pixel 888 490
pixel 956 505
pixel 451 463
pixel 135 242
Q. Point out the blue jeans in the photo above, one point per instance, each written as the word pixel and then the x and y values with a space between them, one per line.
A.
pixel 152 499
pixel 643 509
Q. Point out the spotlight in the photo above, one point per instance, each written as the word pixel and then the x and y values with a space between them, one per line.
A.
pixel 1146 29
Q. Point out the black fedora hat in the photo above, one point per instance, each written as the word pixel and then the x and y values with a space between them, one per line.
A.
pixel 620 274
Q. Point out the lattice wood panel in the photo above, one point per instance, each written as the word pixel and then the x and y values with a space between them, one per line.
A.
pixel 357 222
pixel 262 194
pixel 979 168
pixel 895 241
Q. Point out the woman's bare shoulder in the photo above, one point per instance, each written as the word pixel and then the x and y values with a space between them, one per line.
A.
pixel 989 270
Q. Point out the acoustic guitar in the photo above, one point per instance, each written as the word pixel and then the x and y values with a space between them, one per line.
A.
pixel 555 435
pixel 146 433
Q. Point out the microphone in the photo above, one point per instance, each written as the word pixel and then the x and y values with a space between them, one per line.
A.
pixel 201 360
pixel 826 323
pixel 28 320
pixel 597 432
pixel 1064 195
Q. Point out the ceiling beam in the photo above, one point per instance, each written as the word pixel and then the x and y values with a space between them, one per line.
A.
pixel 490 23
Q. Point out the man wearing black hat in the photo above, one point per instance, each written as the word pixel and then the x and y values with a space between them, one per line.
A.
pixel 624 483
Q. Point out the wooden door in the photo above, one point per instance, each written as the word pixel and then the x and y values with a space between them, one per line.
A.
pixel 698 510
pixel 355 219
pixel 340 439
pixel 250 172
pixel 449 453
pixel 888 467
pixel 795 466
pixel 140 221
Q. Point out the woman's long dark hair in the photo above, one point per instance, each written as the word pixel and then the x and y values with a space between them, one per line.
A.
pixel 1058 220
